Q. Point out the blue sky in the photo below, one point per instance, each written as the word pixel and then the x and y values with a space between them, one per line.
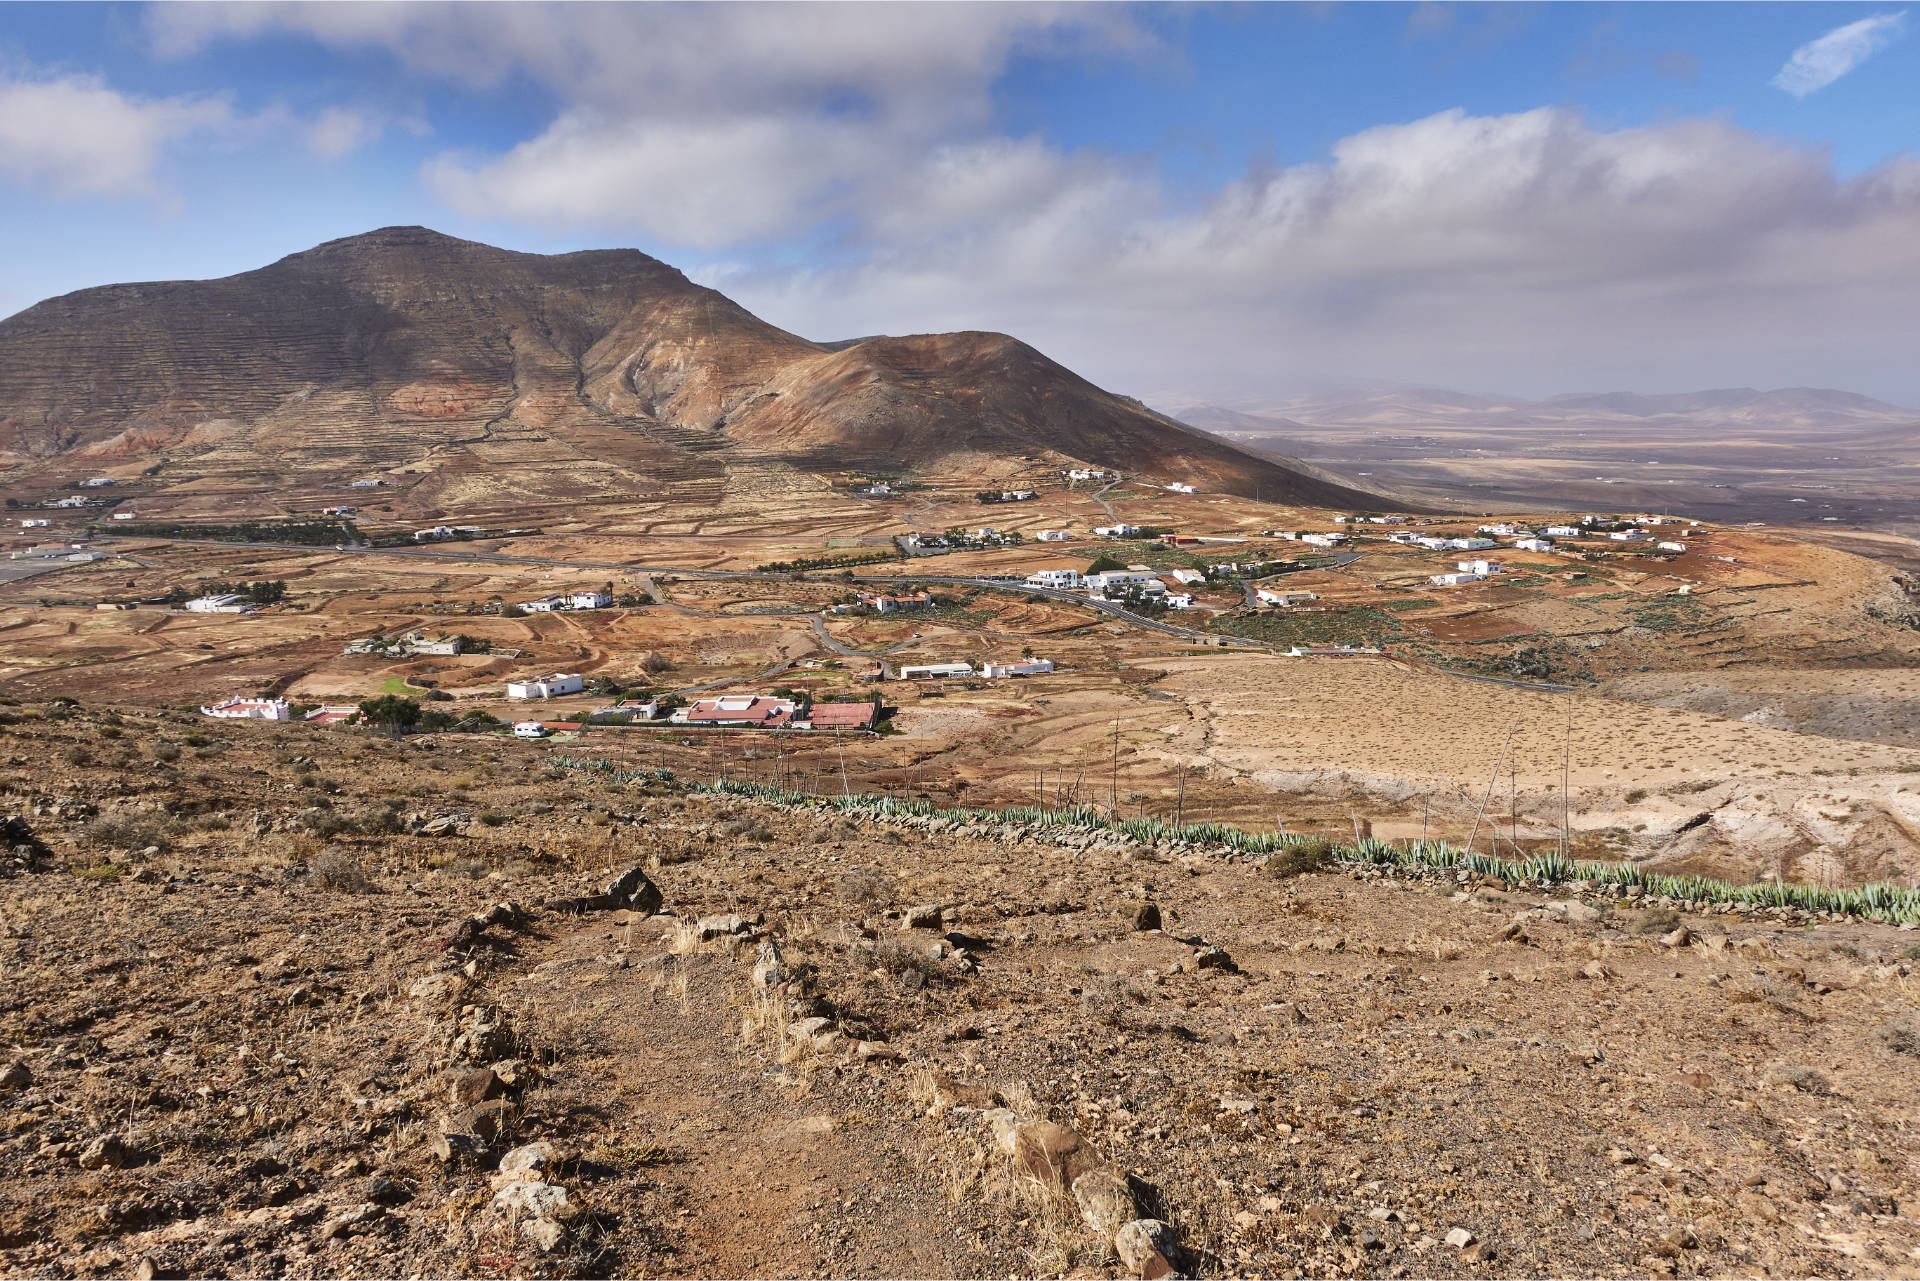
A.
pixel 1184 202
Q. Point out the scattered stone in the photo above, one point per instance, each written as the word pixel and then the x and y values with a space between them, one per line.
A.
pixel 531 1158
pixel 470 1089
pixel 1214 957
pixel 445 825
pixel 1595 970
pixel 387 1192
pixel 1460 1238
pixel 449 1147
pixel 108 1152
pixel 535 1200
pixel 1679 938
pixel 923 916
pixel 1050 1155
pixel 1146 916
pixel 769 967
pixel 15 1076
pixel 486 1122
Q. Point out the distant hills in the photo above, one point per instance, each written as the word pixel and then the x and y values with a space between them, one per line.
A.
pixel 1786 408
pixel 476 375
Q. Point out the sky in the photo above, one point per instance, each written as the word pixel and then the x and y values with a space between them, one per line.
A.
pixel 1229 203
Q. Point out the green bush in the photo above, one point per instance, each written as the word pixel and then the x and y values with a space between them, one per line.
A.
pixel 1302 856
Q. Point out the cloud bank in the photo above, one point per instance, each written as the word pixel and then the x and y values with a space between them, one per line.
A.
pixel 1527 252
pixel 75 136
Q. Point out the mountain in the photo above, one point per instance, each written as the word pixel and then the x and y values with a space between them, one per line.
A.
pixel 476 377
pixel 1786 408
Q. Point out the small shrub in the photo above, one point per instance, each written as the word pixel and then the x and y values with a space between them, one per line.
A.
pixel 472 869
pixel 324 822
pixel 336 870
pixel 1636 795
pixel 165 752
pixel 383 820
pixel 867 885
pixel 1807 1080
pixel 78 755
pixel 195 740
pixel 1302 856
pixel 1108 998
pixel 1659 920
pixel 492 819
pixel 907 962
pixel 130 833
pixel 100 871
pixel 1900 1038
pixel 110 732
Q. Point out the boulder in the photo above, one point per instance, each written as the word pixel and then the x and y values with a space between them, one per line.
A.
pixel 923 916
pixel 1146 916
pixel 1679 938
pixel 470 1089
pixel 768 967
pixel 1050 1155
pixel 634 890
pixel 1214 957
pixel 719 925
pixel 445 825
pixel 15 1076
pixel 1145 1248
pixel 108 1152
pixel 535 1200
pixel 1105 1201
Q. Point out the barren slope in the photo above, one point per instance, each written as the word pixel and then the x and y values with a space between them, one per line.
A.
pixel 603 374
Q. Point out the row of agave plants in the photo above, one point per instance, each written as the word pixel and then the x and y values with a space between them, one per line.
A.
pixel 1881 902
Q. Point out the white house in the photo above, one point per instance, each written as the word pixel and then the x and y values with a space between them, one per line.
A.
pixel 230 603
pixel 1117 531
pixel 1059 579
pixel 1563 531
pixel 632 708
pixel 1267 596
pixel 437 532
pixel 1180 600
pixel 529 729
pixel 1178 488
pixel 1668 545
pixel 97 482
pixel 1479 568
pixel 1118 578
pixel 126 515
pixel 1454 580
pixel 1324 540
pixel 546 686
pixel 35 524
pixel 1189 577
pixel 1629 535
pixel 1053 536
pixel 544 605
pixel 1016 495
pixel 250 709
pixel 589 600
pixel 1432 543
pixel 1471 544
pixel 1534 545
pixel 935 671
pixel 72 500
pixel 1025 667
pixel 1085 473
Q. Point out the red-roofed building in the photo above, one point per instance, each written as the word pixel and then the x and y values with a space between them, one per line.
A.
pixel 842 715
pixel 756 710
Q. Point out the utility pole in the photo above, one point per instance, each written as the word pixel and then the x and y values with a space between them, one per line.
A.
pixel 1493 780
pixel 1180 805
pixel 1113 789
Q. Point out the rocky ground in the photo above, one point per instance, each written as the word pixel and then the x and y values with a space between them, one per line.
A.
pixel 277 1002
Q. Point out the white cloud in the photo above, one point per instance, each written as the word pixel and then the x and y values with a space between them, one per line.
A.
pixel 76 136
pixel 339 130
pixel 1819 63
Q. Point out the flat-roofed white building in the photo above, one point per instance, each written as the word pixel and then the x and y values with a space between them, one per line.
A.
pixel 935 671
pixel 1025 667
pixel 1058 579
pixel 250 709
pixel 546 686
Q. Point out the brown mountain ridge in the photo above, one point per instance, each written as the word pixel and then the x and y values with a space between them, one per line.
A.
pixel 485 377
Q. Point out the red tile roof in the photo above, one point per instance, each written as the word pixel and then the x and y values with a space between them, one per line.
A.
pixel 842 715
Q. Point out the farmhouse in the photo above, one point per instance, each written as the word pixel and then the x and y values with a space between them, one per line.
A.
pixel 1470 544
pixel 544 605
pixel 1101 582
pixel 1283 599
pixel 1324 540
pixel 1116 531
pixel 888 604
pixel 758 710
pixel 647 709
pixel 1563 531
pixel 1629 535
pixel 935 671
pixel 1189 576
pixel 589 600
pixel 1025 667
pixel 428 535
pixel 126 515
pixel 97 482
pixel 1179 600
pixel 330 713
pixel 1454 580
pixel 1059 579
pixel 1178 488
pixel 1053 536
pixel 546 686
pixel 842 715
pixel 1482 568
pixel 229 603
pixel 35 524
pixel 1534 545
pixel 1668 545
pixel 250 709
